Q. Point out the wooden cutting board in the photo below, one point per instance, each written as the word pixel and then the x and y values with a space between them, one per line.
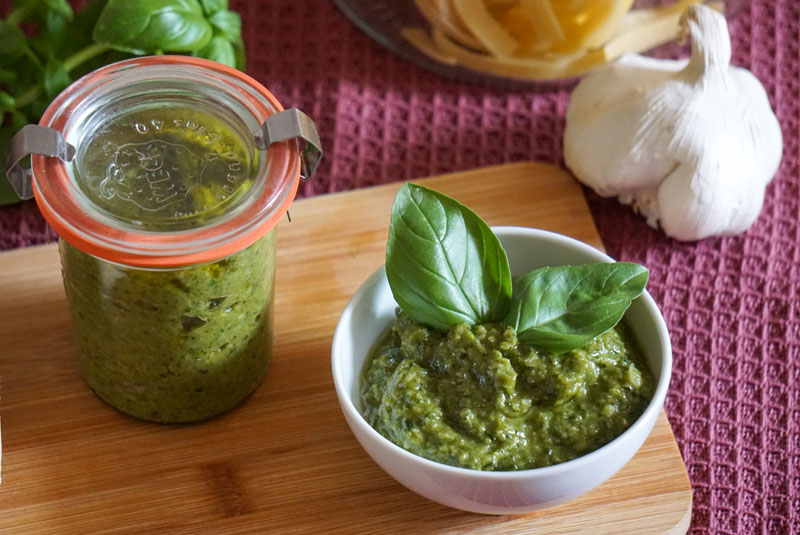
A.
pixel 284 461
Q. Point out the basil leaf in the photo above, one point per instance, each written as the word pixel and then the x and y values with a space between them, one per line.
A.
pixel 60 7
pixel 35 8
pixel 7 102
pixel 56 77
pixel 444 264
pixel 12 42
pixel 148 26
pixel 7 194
pixel 220 50
pixel 561 308
pixel 78 34
pixel 238 49
pixel 226 46
pixel 51 18
pixel 55 22
pixel 212 6
pixel 7 76
pixel 48 15
pixel 228 22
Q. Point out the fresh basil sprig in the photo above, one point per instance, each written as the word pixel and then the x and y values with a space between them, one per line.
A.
pixel 445 266
pixel 66 45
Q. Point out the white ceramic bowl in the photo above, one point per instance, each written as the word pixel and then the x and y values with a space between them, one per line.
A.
pixel 369 313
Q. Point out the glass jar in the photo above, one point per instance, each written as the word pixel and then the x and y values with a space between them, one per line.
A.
pixel 166 216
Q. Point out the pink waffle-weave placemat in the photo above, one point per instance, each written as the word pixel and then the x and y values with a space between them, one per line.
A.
pixel 731 303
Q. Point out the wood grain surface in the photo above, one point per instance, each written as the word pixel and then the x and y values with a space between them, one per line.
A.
pixel 284 461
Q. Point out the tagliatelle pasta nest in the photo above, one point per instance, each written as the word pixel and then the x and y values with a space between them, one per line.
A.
pixel 541 39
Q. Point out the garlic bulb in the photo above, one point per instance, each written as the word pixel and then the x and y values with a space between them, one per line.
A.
pixel 692 144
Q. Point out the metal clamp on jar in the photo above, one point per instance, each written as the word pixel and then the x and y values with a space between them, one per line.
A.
pixel 165 178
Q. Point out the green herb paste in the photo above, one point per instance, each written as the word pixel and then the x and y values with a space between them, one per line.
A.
pixel 170 345
pixel 475 398
pixel 173 345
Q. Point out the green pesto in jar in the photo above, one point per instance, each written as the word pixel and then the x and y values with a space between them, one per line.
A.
pixel 173 345
pixel 182 344
pixel 474 397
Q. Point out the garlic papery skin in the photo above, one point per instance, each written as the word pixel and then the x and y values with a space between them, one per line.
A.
pixel 692 144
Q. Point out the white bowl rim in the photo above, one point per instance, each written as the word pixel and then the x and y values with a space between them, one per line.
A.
pixel 654 406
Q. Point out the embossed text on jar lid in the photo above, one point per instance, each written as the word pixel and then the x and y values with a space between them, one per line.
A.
pixel 166 171
pixel 167 165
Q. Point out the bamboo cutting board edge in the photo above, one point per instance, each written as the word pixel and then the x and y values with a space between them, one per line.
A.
pixel 71 462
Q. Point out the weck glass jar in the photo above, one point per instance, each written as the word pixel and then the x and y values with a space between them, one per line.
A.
pixel 177 171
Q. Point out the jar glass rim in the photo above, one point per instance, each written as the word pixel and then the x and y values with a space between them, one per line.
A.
pixel 63 206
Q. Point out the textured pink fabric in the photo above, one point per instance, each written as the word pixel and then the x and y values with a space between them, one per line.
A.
pixel 731 303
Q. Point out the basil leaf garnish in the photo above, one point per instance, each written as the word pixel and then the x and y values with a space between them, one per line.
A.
pixel 561 308
pixel 444 264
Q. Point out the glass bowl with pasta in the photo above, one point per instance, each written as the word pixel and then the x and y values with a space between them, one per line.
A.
pixel 521 41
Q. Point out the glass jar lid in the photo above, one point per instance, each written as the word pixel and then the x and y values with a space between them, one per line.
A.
pixel 176 161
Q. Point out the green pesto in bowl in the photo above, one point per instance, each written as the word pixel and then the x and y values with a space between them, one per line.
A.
pixel 474 397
